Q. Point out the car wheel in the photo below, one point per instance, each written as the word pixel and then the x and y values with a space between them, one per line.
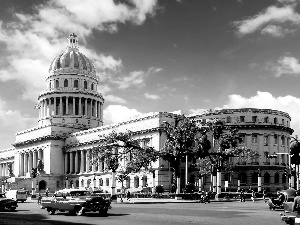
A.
pixel 103 212
pixel 51 211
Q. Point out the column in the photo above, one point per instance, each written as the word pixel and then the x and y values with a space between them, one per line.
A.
pixel 39 155
pixel 71 163
pixel 25 164
pixel 67 105
pixel 34 160
pixel 73 106
pixel 259 182
pixel 86 113
pixel 21 161
pixel 92 107
pixel 76 161
pixel 101 111
pixel 66 162
pixel 80 107
pixel 219 174
pixel 87 161
pixel 30 160
pixel 93 167
pixel 82 161
pixel 60 106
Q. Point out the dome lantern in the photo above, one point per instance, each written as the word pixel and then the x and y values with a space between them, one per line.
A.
pixel 73 42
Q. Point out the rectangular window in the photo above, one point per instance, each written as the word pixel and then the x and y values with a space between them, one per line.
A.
pixel 254 119
pixel 275 139
pixel 254 138
pixel 242 119
pixel 282 140
pixel 266 140
pixel 107 181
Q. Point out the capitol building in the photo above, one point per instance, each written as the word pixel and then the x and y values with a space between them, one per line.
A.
pixel 71 121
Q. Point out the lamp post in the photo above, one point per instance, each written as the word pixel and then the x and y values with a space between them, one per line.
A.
pixel 94 182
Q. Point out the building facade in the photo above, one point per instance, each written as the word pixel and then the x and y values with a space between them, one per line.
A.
pixel 71 120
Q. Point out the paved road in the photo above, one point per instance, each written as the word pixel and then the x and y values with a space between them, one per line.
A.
pixel 175 213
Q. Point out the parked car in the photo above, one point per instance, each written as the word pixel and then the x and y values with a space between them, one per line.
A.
pixel 7 203
pixel 78 204
pixel 18 195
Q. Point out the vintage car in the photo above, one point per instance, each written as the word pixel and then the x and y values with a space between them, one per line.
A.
pixel 78 204
pixel 289 195
pixel 288 216
pixel 7 203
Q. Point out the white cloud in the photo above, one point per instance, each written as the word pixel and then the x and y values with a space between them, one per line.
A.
pixel 12 122
pixel 149 96
pixel 272 14
pixel 265 100
pixel 32 41
pixel 115 99
pixel 286 65
pixel 117 113
pixel 135 78
pixel 275 31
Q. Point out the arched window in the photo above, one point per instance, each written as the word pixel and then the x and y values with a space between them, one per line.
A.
pixel 66 83
pixel 85 84
pixel 75 83
pixel 266 178
pixel 107 181
pixel 275 120
pixel 128 182
pixel 100 182
pixel 56 84
pixel 144 179
pixel 136 182
pixel 50 85
pixel 283 179
pixel 243 177
pixel 92 86
pixel 82 183
pixel 276 178
pixel 254 178
pixel 266 119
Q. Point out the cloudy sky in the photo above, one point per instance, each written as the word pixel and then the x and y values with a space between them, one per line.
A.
pixel 154 55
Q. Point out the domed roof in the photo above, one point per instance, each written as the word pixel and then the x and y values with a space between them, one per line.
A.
pixel 72 61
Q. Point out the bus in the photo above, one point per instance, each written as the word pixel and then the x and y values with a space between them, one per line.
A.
pixel 18 195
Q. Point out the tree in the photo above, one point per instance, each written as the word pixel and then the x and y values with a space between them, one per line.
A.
pixel 117 147
pixel 295 151
pixel 180 142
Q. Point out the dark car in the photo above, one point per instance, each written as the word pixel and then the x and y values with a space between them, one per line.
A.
pixel 96 203
pixel 7 203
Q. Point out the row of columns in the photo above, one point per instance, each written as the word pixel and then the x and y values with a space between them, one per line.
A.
pixel 78 162
pixel 5 168
pixel 68 105
pixel 29 160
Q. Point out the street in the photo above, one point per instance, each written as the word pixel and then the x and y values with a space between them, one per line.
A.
pixel 234 213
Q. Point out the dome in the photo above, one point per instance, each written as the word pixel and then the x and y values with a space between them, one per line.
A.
pixel 72 61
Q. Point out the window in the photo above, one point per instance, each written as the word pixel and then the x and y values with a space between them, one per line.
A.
pixel 100 182
pixel 254 138
pixel 266 119
pixel 136 182
pixel 243 177
pixel 267 178
pixel 228 119
pixel 242 138
pixel 275 120
pixel 107 181
pixel 276 178
pixel 56 84
pixel 254 179
pixel 75 83
pixel 275 139
pixel 66 83
pixel 92 87
pixel 144 179
pixel 283 179
pixel 50 84
pixel 85 84
pixel 282 121
pixel 242 119
pixel 254 119
pixel 266 140
pixel 128 182
pixel 282 140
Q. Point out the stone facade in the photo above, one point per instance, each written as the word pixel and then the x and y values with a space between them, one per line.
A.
pixel 71 120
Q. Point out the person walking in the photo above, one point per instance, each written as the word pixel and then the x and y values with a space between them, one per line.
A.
pixel 128 195
pixel 253 195
pixel 242 196
pixel 39 199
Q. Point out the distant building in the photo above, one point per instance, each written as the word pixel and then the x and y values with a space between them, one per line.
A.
pixel 71 120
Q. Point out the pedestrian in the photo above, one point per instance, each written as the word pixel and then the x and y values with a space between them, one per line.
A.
pixel 242 195
pixel 264 194
pixel 47 192
pixel 39 199
pixel 253 196
pixel 128 195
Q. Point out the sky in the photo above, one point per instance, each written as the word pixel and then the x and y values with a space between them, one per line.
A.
pixel 154 55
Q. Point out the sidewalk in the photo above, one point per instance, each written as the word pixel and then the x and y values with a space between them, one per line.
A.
pixel 168 200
